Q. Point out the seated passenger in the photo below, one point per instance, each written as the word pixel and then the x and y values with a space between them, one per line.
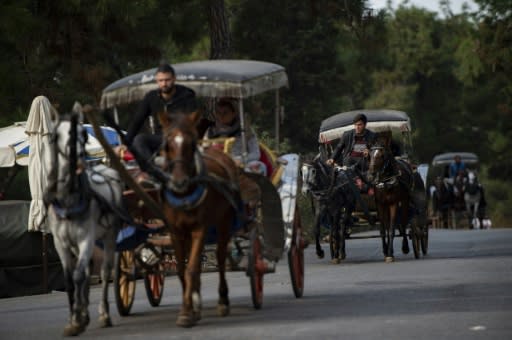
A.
pixel 457 166
pixel 227 124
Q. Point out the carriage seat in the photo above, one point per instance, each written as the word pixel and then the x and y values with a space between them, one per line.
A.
pixel 267 160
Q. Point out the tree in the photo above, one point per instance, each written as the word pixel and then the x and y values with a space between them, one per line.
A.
pixel 220 34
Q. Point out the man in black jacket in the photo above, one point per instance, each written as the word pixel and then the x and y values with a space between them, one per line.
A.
pixel 353 150
pixel 170 98
pixel 353 146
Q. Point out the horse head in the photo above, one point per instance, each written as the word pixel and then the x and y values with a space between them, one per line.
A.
pixel 308 173
pixel 182 158
pixel 472 177
pixel 379 161
pixel 69 139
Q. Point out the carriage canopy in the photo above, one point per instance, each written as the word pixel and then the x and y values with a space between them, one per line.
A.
pixel 468 158
pixel 333 127
pixel 208 78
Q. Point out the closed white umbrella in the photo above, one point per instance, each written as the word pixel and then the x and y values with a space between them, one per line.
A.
pixel 39 128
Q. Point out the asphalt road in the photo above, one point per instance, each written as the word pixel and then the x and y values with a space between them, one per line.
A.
pixel 461 290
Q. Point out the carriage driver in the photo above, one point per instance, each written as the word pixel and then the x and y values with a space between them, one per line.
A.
pixel 169 97
pixel 353 147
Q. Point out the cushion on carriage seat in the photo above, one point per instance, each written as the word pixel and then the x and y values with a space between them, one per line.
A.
pixel 265 159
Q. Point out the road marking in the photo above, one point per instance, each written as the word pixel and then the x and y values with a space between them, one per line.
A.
pixel 478 328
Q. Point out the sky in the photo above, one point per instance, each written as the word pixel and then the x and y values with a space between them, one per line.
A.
pixel 431 5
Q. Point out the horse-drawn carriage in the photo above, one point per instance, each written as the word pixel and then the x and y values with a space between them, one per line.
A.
pixel 393 130
pixel 456 200
pixel 258 241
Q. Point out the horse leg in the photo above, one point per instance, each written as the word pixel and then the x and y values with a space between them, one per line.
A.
pixel 444 217
pixel 335 239
pixel 180 249
pixel 106 268
pixel 222 245
pixel 343 227
pixel 467 204
pixel 475 214
pixel 319 251
pixel 404 222
pixel 191 308
pixel 68 263
pixel 390 232
pixel 383 216
pixel 80 313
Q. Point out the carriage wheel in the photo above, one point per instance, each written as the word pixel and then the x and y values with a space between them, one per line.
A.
pixel 424 241
pixel 154 283
pixel 296 256
pixel 256 269
pixel 124 281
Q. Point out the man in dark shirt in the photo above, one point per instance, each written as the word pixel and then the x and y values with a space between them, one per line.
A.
pixel 170 98
pixel 352 150
pixel 353 146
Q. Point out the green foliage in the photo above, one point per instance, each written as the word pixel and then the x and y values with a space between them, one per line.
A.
pixel 499 198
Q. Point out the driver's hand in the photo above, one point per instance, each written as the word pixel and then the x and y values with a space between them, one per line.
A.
pixel 366 152
pixel 120 150
pixel 330 161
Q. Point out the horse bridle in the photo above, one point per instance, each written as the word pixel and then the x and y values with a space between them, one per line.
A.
pixel 377 181
pixel 199 167
pixel 80 138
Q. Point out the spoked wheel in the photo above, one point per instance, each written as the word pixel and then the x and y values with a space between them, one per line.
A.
pixel 256 269
pixel 124 280
pixel 154 284
pixel 296 256
pixel 424 241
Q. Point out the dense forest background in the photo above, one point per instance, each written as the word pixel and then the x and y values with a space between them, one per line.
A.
pixel 452 72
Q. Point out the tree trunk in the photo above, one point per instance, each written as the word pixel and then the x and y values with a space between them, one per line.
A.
pixel 220 35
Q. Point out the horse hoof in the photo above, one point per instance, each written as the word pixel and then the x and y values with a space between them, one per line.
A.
pixel 320 254
pixel 389 259
pixel 197 316
pixel 186 321
pixel 222 310
pixel 343 256
pixel 105 321
pixel 335 261
pixel 73 329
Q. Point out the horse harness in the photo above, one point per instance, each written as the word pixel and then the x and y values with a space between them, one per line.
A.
pixel 80 190
pixel 393 174
pixel 227 188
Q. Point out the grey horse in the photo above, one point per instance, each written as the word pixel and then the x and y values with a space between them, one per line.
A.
pixel 83 204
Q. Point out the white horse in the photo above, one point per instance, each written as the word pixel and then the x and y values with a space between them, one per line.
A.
pixel 472 197
pixel 84 206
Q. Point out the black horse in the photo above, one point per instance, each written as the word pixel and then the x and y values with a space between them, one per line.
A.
pixel 393 181
pixel 443 200
pixel 333 202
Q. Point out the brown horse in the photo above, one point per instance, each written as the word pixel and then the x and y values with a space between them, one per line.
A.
pixel 202 192
pixel 393 180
